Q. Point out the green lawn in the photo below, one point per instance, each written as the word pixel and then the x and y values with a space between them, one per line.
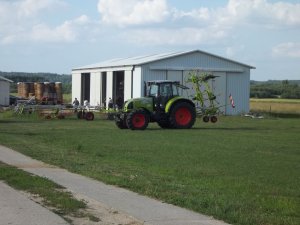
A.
pixel 240 170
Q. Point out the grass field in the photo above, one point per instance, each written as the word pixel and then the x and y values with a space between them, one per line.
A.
pixel 277 106
pixel 240 170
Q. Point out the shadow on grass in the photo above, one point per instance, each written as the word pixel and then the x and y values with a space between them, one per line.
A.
pixel 207 128
pixel 15 121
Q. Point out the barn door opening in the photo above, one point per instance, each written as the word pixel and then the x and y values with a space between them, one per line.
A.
pixel 118 88
pixel 85 87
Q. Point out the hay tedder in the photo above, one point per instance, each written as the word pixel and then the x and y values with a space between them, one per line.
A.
pixel 54 111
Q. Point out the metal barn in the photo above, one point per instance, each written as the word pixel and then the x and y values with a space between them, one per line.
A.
pixel 121 79
pixel 4 91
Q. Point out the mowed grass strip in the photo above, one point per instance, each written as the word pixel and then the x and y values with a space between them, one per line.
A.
pixel 240 170
pixel 283 106
pixel 52 195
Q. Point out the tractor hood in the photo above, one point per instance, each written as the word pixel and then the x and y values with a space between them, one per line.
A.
pixel 138 103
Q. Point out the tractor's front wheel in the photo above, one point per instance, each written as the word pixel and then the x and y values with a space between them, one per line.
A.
pixel 137 120
pixel 183 116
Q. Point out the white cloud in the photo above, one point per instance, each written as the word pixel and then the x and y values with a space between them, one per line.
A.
pixel 182 36
pixel 32 7
pixel 241 12
pixel 132 12
pixel 20 22
pixel 289 49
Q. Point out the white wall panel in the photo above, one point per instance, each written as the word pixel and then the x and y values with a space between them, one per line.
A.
pixel 109 86
pixel 127 85
pixel 95 88
pixel 138 86
pixel 76 86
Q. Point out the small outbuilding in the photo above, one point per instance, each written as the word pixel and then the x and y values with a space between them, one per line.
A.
pixel 122 79
pixel 4 91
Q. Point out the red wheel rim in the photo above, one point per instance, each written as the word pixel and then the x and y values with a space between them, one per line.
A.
pixel 138 120
pixel 183 116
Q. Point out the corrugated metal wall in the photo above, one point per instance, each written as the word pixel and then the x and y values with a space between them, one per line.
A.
pixel 238 85
pixel 197 60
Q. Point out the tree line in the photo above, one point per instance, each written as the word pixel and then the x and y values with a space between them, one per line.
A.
pixel 275 89
pixel 65 79
pixel 258 89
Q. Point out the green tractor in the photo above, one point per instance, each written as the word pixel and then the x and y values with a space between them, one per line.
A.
pixel 162 104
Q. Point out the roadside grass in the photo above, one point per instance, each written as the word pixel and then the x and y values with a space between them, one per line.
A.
pixel 53 195
pixel 240 170
pixel 276 106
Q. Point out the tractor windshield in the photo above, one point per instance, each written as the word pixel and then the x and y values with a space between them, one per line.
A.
pixel 167 89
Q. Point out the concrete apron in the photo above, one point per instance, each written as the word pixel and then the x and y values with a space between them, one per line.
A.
pixel 151 211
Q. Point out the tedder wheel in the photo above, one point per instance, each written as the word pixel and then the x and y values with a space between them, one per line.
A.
pixel 183 115
pixel 137 120
pixel 121 124
pixel 205 119
pixel 213 119
pixel 89 116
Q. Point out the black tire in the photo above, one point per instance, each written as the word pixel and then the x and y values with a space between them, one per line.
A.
pixel 205 119
pixel 89 116
pixel 182 116
pixel 165 124
pixel 213 119
pixel 137 120
pixel 121 124
pixel 163 121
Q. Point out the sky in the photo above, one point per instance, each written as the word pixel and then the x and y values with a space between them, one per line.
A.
pixel 59 35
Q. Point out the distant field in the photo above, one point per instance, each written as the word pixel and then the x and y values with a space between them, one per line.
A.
pixel 284 106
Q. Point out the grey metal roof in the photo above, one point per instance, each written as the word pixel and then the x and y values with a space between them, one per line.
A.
pixel 5 79
pixel 140 60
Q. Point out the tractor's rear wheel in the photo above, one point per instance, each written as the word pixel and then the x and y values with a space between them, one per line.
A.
pixel 137 120
pixel 182 116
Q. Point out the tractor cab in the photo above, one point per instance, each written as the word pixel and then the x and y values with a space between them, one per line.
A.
pixel 162 91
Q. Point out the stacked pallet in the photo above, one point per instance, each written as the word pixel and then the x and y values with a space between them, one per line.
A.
pixel 50 92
